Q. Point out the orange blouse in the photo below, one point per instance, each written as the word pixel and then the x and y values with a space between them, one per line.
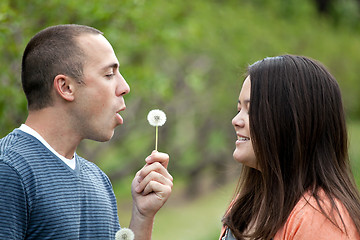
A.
pixel 306 222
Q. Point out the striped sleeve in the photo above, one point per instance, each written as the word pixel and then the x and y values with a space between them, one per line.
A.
pixel 13 213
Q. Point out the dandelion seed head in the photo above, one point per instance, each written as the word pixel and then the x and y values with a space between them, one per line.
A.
pixel 156 117
pixel 124 234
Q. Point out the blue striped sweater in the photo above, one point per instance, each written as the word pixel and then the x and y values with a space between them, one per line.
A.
pixel 43 198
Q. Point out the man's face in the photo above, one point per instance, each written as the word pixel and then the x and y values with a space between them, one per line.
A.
pixel 99 99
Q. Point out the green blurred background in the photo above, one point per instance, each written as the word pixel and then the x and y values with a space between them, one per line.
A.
pixel 187 58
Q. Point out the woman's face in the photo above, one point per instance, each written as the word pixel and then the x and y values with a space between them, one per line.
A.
pixel 244 152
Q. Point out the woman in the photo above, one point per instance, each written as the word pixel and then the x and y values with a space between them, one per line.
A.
pixel 296 181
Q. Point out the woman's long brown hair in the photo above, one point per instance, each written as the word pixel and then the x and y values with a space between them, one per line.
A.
pixel 299 135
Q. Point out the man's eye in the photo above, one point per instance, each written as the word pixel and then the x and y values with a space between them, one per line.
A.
pixel 110 75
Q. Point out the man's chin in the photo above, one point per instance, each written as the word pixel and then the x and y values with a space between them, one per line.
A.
pixel 103 138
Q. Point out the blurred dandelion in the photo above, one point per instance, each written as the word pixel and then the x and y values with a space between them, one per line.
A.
pixel 156 118
pixel 124 234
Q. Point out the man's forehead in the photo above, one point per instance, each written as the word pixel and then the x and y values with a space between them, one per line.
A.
pixel 90 39
pixel 97 47
pixel 94 43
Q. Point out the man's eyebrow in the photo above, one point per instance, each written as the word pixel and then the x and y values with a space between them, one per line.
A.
pixel 112 65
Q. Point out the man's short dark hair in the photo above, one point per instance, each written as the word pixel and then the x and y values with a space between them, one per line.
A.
pixel 51 52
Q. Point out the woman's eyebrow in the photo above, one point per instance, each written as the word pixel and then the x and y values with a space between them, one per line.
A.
pixel 246 101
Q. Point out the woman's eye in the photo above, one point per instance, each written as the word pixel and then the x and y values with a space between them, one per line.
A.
pixel 110 75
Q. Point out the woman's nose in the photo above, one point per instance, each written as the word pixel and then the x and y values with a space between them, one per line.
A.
pixel 238 121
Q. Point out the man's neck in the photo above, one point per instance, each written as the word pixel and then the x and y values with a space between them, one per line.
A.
pixel 52 126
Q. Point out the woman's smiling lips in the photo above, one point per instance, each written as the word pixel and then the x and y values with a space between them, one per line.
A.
pixel 241 138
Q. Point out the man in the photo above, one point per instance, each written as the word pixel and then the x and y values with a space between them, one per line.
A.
pixel 71 79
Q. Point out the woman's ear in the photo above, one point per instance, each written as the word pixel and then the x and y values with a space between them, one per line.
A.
pixel 64 87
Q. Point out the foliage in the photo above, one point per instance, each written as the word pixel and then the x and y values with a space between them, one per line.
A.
pixel 354 151
pixel 187 58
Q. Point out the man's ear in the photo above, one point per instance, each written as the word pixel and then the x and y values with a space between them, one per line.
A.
pixel 64 86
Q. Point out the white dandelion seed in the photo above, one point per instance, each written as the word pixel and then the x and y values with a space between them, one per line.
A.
pixel 156 118
pixel 124 234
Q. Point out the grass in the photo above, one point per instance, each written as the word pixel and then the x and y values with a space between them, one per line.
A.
pixel 198 219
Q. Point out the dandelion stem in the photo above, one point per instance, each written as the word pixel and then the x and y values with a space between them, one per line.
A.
pixel 156 137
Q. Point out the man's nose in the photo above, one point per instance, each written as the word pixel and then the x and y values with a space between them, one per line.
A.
pixel 123 87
